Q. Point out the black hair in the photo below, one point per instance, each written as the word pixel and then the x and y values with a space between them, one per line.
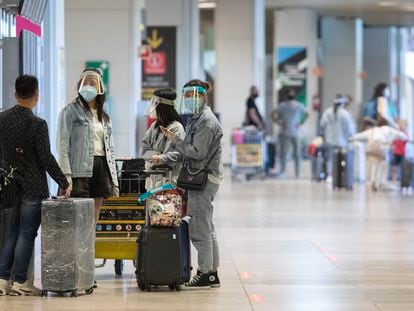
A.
pixel 379 90
pixel 26 86
pixel 382 121
pixel 166 114
pixel 100 99
pixel 337 105
pixel 195 82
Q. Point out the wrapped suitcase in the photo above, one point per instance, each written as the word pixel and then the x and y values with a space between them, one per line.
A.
pixel 360 162
pixel 318 165
pixel 68 236
pixel 343 168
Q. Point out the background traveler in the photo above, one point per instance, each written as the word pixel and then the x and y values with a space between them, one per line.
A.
pixel 253 116
pixel 290 115
pixel 398 149
pixel 379 140
pixel 336 126
pixel 380 106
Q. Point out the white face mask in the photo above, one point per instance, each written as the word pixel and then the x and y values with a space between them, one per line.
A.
pixel 387 93
pixel 88 93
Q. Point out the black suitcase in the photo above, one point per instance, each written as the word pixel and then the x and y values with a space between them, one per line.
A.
pixel 163 257
pixel 407 170
pixel 343 169
pixel 271 154
pixel 132 179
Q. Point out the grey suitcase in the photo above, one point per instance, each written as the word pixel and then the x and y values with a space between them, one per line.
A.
pixel 68 246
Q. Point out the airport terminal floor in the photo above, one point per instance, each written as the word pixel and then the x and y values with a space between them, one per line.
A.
pixel 285 245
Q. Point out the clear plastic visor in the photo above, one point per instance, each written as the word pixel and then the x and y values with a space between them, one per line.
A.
pixel 192 100
pixel 90 78
pixel 155 101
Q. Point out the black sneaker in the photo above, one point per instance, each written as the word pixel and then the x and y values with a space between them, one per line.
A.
pixel 95 285
pixel 201 280
pixel 214 280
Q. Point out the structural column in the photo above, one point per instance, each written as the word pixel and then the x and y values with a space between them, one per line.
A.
pixel 240 61
pixel 342 42
pixel 297 28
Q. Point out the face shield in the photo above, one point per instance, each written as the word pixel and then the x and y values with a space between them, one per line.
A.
pixel 90 78
pixel 340 101
pixel 192 100
pixel 154 102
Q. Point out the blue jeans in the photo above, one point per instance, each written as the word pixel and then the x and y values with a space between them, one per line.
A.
pixel 285 141
pixel 202 231
pixel 18 248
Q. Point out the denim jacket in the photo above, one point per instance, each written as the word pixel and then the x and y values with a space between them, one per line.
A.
pixel 201 146
pixel 75 142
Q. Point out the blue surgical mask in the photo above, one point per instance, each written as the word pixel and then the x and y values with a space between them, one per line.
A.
pixel 88 93
pixel 191 106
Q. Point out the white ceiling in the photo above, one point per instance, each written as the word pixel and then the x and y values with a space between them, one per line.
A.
pixel 373 12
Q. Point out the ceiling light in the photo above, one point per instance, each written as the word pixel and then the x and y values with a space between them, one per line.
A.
pixel 386 3
pixel 408 8
pixel 207 5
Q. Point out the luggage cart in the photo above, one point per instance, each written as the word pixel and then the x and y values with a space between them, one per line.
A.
pixel 248 153
pixel 121 218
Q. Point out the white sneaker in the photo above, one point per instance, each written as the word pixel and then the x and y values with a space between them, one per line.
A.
pixel 24 289
pixel 4 287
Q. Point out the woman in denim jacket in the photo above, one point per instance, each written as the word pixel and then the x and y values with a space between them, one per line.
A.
pixel 85 142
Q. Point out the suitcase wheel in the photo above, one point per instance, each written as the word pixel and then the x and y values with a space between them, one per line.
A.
pixel 175 286
pixel 74 293
pixel 89 291
pixel 44 293
pixel 141 286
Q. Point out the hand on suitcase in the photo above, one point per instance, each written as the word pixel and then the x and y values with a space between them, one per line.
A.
pixel 156 160
pixel 65 193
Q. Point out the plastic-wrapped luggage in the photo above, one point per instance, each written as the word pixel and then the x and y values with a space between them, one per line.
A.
pixel 165 209
pixel 343 168
pixel 360 162
pixel 68 237
pixel 318 165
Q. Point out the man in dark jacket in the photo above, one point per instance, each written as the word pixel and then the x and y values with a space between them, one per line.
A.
pixel 253 116
pixel 25 146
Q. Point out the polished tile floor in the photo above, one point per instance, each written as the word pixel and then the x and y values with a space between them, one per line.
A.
pixel 285 245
